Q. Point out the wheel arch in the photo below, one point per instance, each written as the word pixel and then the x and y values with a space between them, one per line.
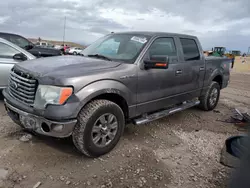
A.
pixel 218 79
pixel 217 76
pixel 108 90
pixel 115 98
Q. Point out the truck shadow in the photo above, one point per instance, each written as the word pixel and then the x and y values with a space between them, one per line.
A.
pixel 64 145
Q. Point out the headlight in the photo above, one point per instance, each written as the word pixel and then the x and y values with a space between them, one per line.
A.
pixel 51 95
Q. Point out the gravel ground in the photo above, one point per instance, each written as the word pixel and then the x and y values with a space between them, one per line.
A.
pixel 181 150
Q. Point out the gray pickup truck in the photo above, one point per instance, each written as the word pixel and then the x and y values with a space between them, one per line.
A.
pixel 126 77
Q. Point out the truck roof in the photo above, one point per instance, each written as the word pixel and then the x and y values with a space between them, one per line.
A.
pixel 148 33
pixel 152 33
pixel 3 33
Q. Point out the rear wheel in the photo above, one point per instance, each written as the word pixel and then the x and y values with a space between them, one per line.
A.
pixel 210 100
pixel 74 53
pixel 99 128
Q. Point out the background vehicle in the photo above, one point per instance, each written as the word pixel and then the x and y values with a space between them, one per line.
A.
pixel 45 44
pixel 29 46
pixel 59 47
pixel 123 77
pixel 10 54
pixel 219 51
pixel 236 53
pixel 66 49
pixel 74 50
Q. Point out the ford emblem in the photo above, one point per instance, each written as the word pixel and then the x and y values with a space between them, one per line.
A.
pixel 13 84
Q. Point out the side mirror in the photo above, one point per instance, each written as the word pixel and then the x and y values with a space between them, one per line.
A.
pixel 20 57
pixel 156 62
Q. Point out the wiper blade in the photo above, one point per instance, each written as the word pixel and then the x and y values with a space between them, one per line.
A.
pixel 100 56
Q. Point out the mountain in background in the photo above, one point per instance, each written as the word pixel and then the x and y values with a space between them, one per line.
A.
pixel 54 42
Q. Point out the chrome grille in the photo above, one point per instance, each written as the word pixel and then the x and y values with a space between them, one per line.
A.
pixel 22 87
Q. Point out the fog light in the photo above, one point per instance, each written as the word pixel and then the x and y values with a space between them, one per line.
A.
pixel 45 127
pixel 57 128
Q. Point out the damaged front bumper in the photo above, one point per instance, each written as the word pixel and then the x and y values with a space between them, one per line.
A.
pixel 40 125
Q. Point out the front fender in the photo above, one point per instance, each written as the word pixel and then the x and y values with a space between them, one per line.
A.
pixel 95 89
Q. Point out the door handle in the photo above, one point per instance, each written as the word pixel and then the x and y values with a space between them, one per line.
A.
pixel 202 68
pixel 178 72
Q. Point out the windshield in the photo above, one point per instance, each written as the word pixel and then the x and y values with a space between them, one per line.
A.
pixel 119 47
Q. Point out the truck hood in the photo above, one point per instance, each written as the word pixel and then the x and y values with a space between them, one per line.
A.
pixel 64 66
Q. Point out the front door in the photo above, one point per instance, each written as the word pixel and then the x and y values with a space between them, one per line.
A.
pixel 157 86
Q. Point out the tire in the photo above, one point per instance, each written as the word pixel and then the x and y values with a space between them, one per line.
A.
pixel 228 159
pixel 205 103
pixel 83 134
pixel 74 53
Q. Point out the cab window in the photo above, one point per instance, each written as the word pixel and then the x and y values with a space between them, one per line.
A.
pixel 164 47
pixel 190 49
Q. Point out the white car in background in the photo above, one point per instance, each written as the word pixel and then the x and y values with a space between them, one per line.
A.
pixel 59 47
pixel 10 54
pixel 45 44
pixel 74 50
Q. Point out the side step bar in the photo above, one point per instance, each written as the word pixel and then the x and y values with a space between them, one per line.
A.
pixel 161 114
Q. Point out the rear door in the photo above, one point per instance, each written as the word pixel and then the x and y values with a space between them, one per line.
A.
pixel 192 69
pixel 6 62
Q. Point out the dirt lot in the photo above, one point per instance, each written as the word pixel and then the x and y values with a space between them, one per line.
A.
pixel 242 67
pixel 182 150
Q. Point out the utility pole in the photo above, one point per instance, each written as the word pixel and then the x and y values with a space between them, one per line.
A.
pixel 64 29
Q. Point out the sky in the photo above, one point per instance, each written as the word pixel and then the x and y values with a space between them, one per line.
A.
pixel 215 22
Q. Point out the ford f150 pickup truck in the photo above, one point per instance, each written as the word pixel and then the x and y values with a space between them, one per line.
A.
pixel 121 78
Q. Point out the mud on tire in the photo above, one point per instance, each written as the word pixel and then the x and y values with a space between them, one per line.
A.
pixel 82 133
pixel 205 103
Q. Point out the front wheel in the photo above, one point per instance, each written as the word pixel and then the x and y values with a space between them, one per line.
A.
pixel 210 100
pixel 99 128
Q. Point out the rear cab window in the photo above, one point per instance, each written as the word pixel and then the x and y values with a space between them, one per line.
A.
pixel 190 49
